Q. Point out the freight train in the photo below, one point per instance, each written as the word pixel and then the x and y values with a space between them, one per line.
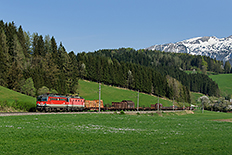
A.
pixel 50 102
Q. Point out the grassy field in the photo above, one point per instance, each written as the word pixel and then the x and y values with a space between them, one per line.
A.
pixel 224 82
pixel 194 97
pixel 11 101
pixel 10 95
pixel 116 134
pixel 89 91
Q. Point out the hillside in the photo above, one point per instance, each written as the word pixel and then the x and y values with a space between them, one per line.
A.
pixel 224 82
pixel 11 101
pixel 149 70
pixel 11 96
pixel 89 91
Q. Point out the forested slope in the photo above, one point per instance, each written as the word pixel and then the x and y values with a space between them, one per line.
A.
pixel 170 64
pixel 31 62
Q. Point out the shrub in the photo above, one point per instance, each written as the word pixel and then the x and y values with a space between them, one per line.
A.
pixel 18 105
pixel 122 112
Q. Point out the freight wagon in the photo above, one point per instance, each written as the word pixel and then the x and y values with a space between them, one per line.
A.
pixel 123 105
pixel 93 105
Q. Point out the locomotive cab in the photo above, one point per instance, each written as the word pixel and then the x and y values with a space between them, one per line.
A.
pixel 41 102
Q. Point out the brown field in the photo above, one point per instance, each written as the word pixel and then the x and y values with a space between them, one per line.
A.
pixel 224 120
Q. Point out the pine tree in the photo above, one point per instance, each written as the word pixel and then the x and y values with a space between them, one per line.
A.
pixel 14 77
pixel 74 73
pixel 10 33
pixel 35 46
pixel 41 48
pixel 2 25
pixel 18 53
pixel 22 41
pixel 47 44
pixel 54 50
pixel 51 72
pixel 4 63
pixel 65 68
pixel 28 44
pixel 15 74
pixel 227 67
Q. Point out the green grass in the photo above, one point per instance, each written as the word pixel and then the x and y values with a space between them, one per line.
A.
pixel 191 71
pixel 116 134
pixel 224 82
pixel 195 96
pixel 89 91
pixel 10 95
pixel 10 99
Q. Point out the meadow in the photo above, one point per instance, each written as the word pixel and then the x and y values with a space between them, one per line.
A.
pixel 173 133
pixel 224 82
pixel 194 97
pixel 10 95
pixel 14 101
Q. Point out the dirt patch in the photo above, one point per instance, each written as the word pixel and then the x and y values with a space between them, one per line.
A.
pixel 224 120
pixel 185 112
pixel 189 112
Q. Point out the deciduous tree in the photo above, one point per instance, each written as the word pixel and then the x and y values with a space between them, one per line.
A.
pixel 28 88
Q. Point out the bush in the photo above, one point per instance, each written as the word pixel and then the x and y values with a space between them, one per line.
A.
pixel 18 105
pixel 122 112
pixel 26 106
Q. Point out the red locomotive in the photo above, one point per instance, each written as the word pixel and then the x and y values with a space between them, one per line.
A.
pixel 50 102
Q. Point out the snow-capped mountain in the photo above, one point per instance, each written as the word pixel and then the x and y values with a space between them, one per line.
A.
pixel 221 49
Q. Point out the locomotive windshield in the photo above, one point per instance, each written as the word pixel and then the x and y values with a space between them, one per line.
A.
pixel 42 99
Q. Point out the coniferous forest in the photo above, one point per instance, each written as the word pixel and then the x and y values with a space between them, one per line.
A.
pixel 32 62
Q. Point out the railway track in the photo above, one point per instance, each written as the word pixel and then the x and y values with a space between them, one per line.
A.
pixel 105 112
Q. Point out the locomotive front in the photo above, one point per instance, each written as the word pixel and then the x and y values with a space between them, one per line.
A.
pixel 41 102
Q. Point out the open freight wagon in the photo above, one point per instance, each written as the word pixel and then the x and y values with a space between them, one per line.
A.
pixel 93 105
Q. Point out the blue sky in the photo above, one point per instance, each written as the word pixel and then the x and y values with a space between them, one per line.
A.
pixel 89 25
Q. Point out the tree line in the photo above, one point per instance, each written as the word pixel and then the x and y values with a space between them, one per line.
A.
pixel 155 58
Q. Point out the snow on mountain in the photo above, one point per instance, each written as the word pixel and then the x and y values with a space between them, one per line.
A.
pixel 221 49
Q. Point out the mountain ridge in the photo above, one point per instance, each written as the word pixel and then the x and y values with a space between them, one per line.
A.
pixel 218 48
